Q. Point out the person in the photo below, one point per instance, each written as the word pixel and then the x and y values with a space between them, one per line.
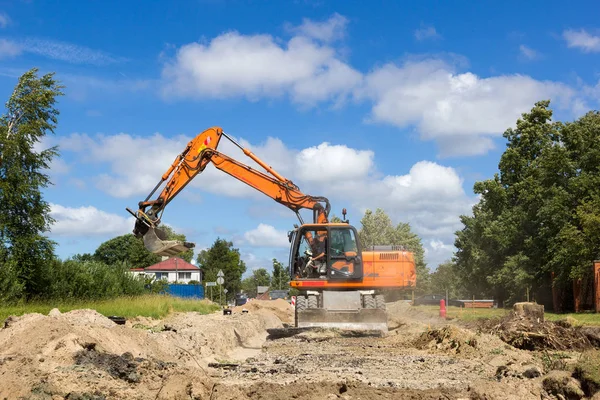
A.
pixel 319 262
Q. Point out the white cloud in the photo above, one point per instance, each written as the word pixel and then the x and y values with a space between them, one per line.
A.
pixel 88 221
pixel 426 32
pixel 9 49
pixel 4 20
pixel 326 163
pixel 443 104
pixel 261 66
pixel 582 40
pixel 327 31
pixel 68 52
pixel 442 101
pixel 528 52
pixel 266 236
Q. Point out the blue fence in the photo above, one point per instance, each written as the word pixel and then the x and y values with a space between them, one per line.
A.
pixel 194 291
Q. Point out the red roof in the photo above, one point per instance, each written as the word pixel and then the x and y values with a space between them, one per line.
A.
pixel 173 264
pixel 137 269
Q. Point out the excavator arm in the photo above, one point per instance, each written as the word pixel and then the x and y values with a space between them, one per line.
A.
pixel 198 153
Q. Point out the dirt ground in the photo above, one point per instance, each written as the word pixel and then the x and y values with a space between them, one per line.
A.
pixel 83 355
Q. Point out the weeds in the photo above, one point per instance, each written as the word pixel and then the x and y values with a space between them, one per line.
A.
pixel 154 306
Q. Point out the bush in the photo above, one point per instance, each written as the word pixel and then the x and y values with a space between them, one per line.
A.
pixel 193 282
pixel 93 280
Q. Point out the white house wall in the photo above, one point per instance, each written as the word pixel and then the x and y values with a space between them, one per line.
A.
pixel 171 276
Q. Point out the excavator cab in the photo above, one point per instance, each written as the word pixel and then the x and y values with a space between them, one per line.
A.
pixel 325 252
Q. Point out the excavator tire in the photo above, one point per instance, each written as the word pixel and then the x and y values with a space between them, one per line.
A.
pixel 369 301
pixel 380 302
pixel 301 305
pixel 313 302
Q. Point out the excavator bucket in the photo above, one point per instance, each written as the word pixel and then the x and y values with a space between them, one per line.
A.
pixel 156 242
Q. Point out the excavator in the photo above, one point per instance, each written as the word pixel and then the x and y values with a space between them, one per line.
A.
pixel 341 284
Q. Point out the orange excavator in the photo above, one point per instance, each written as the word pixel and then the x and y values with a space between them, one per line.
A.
pixel 340 283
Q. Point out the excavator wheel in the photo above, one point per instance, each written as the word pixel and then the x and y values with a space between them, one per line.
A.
pixel 301 305
pixel 380 302
pixel 369 302
pixel 313 302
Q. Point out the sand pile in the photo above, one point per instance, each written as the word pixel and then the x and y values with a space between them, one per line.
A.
pixel 82 354
pixel 279 307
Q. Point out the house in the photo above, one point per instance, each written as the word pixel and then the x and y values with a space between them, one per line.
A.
pixel 173 269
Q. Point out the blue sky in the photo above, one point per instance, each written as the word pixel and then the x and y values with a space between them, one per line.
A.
pixel 372 104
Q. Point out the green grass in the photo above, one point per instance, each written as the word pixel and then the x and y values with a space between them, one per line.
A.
pixel 154 306
pixel 472 314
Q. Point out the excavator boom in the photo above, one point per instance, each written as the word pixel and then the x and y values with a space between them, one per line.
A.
pixel 198 153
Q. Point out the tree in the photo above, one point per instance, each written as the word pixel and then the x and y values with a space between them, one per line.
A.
pixel 259 277
pixel 539 215
pixel 128 248
pixel 281 277
pixel 125 248
pixel 377 229
pixel 222 256
pixel 24 214
pixel 444 279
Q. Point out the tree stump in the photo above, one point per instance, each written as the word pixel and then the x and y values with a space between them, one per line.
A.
pixel 531 311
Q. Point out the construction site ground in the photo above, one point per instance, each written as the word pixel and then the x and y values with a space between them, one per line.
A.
pixel 84 355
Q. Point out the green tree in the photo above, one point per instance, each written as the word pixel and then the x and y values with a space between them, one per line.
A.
pixel 377 229
pixel 125 248
pixel 128 248
pixel 444 279
pixel 538 216
pixel 24 214
pixel 259 277
pixel 222 256
pixel 281 277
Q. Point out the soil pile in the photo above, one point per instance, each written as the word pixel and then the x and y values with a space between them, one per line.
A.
pixel 530 334
pixel 280 307
pixel 82 354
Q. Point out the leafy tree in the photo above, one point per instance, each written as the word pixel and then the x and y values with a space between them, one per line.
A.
pixel 281 277
pixel 259 277
pixel 444 279
pixel 128 248
pixel 377 229
pixel 125 248
pixel 222 256
pixel 538 216
pixel 24 214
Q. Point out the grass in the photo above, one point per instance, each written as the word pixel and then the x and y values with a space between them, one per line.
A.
pixel 472 314
pixel 587 371
pixel 154 306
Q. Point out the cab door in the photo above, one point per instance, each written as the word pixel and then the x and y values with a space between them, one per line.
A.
pixel 344 260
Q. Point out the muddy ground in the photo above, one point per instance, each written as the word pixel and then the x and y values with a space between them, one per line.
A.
pixel 83 355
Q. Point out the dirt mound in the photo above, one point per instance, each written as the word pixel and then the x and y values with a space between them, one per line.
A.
pixel 449 339
pixel 529 334
pixel 82 354
pixel 279 307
